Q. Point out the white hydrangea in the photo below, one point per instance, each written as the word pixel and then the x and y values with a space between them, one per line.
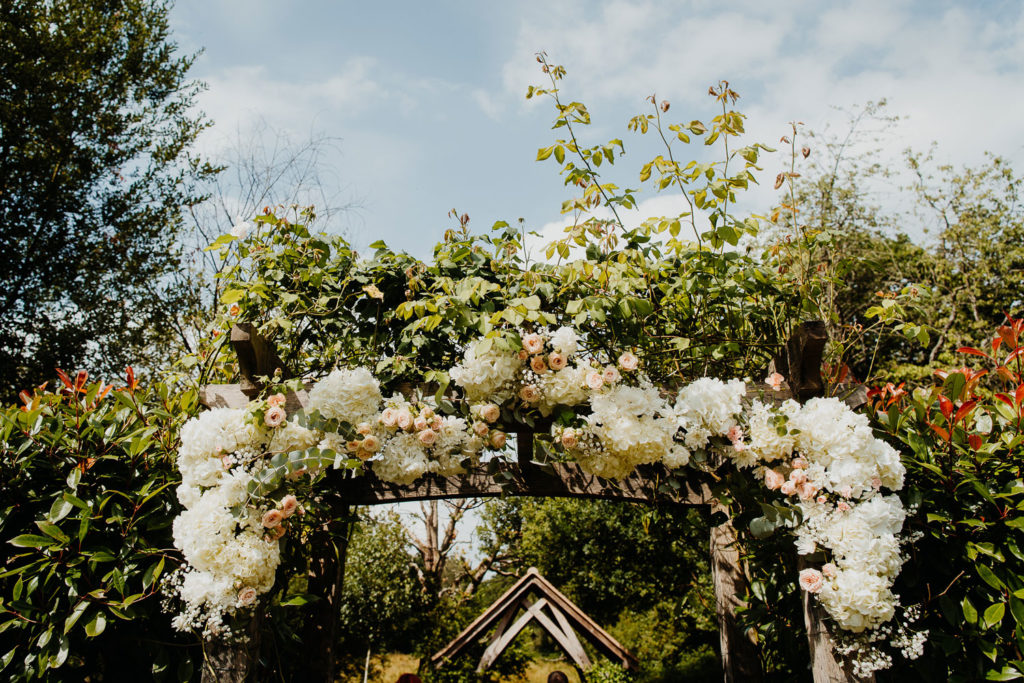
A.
pixel 486 375
pixel 709 407
pixel 565 341
pixel 565 387
pixel 204 439
pixel 765 440
pixel 350 395
pixel 634 426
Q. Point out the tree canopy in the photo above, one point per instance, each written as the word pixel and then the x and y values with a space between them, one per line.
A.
pixel 96 123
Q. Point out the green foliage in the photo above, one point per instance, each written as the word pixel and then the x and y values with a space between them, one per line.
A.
pixel 96 127
pixel 962 443
pixel 642 573
pixel 87 488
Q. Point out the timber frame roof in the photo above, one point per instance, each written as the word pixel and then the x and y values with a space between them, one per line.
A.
pixel 533 594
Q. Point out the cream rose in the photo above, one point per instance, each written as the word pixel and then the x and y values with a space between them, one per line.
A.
pixel 272 518
pixel 628 362
pixel 276 400
pixel 533 343
pixel 529 393
pixel 490 412
pixel 246 596
pixel 498 439
pixel 594 380
pixel 773 480
pixel 289 504
pixel 275 416
pixel 427 437
pixel 811 580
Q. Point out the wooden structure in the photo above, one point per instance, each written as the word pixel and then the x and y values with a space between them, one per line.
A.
pixel 534 594
pixel 799 362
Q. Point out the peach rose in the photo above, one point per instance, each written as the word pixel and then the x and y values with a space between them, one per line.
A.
pixel 427 413
pixel 569 439
pixel 226 461
pixel 628 362
pixel 811 580
pixel 798 476
pixel 404 420
pixel 427 437
pixel 246 596
pixel 522 354
pixel 490 412
pixel 420 423
pixel 788 488
pixel 821 500
pixel 556 360
pixel 799 463
pixel 436 423
pixel 829 569
pixel 272 518
pixel 371 444
pixel 480 428
pixel 611 375
pixel 363 428
pixel 538 365
pixel 498 439
pixel 533 343
pixel 289 504
pixel 276 400
pixel 389 418
pixel 876 483
pixel 773 480
pixel 353 446
pixel 275 416
pixel 529 393
pixel 775 381
pixel 594 380
pixel 807 490
pixel 843 506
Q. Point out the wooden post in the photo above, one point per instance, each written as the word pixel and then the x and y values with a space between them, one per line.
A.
pixel 326 581
pixel 800 362
pixel 740 658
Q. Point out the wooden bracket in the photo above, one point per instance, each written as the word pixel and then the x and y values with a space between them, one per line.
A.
pixel 256 358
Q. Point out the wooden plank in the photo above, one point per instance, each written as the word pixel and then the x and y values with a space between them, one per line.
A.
pixel 574 647
pixel 570 645
pixel 561 480
pixel 740 658
pixel 234 396
pixel 494 651
pixel 256 358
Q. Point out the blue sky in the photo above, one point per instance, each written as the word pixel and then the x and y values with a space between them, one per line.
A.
pixel 428 98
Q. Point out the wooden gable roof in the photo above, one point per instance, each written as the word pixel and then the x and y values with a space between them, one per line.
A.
pixel 563 619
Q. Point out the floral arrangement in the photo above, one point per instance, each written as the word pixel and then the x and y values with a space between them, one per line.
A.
pixel 821 459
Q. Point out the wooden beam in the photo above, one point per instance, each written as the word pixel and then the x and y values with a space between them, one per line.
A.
pixel 740 658
pixel 256 358
pixel 558 480
pixel 505 639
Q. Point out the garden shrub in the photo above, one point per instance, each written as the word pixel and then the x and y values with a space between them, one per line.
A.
pixel 87 482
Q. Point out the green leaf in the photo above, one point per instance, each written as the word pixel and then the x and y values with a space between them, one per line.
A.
pixel 31 541
pixel 96 625
pixel 75 615
pixel 994 614
pixel 970 614
pixel 989 577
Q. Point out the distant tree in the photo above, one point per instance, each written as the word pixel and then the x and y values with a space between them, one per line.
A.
pixel 96 124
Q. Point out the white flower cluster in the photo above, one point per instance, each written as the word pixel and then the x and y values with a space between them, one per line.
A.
pixel 230 561
pixel 634 425
pixel 349 395
pixel 415 440
pixel 542 375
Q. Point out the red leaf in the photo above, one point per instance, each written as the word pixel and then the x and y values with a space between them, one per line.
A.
pixel 943 434
pixel 1005 399
pixel 80 380
pixel 946 406
pixel 131 379
pixel 1009 336
pixel 972 351
pixel 966 409
pixel 995 343
pixel 1019 394
pixel 1006 373
pixel 103 392
pixel 975 440
pixel 1013 356
pixel 64 378
pixel 25 397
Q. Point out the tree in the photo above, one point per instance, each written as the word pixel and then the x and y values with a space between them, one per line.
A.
pixel 96 124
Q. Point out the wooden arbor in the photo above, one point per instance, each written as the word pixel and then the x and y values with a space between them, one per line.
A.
pixel 799 363
pixel 533 594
